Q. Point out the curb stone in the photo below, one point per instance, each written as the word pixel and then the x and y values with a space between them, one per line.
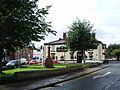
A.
pixel 71 77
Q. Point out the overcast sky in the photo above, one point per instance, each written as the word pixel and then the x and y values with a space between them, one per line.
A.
pixel 104 14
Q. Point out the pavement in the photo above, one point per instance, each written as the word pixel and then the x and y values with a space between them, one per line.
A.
pixel 39 84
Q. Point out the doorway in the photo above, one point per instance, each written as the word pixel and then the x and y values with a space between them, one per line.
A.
pixel 79 57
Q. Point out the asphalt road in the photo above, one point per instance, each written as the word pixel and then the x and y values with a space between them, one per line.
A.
pixel 105 79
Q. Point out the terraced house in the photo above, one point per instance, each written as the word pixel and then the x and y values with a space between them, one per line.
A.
pixel 60 52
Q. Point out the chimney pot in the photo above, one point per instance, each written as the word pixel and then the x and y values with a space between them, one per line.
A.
pixel 64 36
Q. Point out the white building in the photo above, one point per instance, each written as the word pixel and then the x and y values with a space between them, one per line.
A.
pixel 59 51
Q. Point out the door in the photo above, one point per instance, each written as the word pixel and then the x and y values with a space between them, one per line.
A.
pixel 79 57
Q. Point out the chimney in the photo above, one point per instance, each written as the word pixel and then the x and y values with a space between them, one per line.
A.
pixel 64 36
pixel 60 38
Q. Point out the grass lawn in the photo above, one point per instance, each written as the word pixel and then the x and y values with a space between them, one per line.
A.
pixel 30 68
pixel 12 71
pixel 38 67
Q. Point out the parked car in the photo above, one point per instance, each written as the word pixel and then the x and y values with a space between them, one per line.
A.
pixel 34 62
pixel 54 61
pixel 93 60
pixel 22 60
pixel 13 63
pixel 17 62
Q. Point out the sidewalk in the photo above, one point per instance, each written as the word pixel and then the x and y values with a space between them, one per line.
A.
pixel 37 84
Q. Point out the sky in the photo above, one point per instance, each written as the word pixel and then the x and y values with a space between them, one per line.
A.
pixel 103 14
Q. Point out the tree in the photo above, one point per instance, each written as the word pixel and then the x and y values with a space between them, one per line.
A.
pixel 116 52
pixel 21 21
pixel 112 50
pixel 80 37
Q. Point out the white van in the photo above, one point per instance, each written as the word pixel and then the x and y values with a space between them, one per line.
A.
pixel 22 60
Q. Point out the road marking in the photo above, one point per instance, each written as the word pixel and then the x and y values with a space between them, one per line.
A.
pixel 96 76
pixel 84 76
pixel 99 76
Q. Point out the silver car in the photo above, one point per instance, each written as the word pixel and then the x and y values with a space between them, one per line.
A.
pixel 13 63
pixel 93 60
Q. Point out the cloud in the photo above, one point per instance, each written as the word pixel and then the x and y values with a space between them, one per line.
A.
pixel 104 14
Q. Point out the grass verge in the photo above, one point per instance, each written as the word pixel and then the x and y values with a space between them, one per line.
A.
pixel 40 67
pixel 30 68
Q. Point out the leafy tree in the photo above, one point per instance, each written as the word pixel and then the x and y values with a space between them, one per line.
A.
pixel 21 21
pixel 80 37
pixel 116 52
pixel 110 48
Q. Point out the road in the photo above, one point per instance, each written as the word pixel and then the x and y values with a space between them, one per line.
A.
pixel 105 79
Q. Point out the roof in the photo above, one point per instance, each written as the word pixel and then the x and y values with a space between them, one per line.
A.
pixel 62 41
pixel 56 42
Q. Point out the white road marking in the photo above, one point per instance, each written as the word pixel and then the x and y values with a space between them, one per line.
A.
pixel 96 76
pixel 99 76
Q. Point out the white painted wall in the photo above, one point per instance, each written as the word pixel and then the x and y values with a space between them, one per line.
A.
pixel 97 53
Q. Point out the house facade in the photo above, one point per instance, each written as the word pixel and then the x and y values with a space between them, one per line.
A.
pixel 24 53
pixel 60 52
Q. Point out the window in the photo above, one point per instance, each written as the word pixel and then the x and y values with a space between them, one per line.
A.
pixel 62 49
pixel 53 55
pixel 53 48
pixel 62 58
pixel 90 56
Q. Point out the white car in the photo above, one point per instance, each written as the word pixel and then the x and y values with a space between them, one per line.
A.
pixel 12 63
pixel 15 63
pixel 92 60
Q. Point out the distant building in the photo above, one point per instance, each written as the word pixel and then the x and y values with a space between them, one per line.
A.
pixel 25 52
pixel 60 52
pixel 38 54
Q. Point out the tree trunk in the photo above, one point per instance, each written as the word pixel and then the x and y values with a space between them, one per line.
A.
pixel 83 56
pixel 80 56
pixel 118 57
pixel 1 56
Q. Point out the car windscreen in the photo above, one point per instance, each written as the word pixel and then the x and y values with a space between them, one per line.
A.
pixel 13 61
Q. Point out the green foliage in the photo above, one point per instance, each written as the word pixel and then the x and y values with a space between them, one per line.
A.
pixel 80 36
pixel 112 49
pixel 21 21
pixel 116 52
